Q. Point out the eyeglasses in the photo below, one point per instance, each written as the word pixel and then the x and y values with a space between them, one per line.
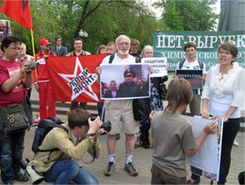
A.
pixel 123 43
pixel 129 76
pixel 15 48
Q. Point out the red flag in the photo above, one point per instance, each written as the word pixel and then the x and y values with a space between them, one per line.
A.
pixel 19 11
pixel 74 78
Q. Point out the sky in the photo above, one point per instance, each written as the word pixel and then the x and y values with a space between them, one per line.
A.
pixel 158 12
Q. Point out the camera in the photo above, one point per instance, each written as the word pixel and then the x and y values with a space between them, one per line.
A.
pixel 32 65
pixel 106 125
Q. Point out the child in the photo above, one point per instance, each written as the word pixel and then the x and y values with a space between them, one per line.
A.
pixel 172 136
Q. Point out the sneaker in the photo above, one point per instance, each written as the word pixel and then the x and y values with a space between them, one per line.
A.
pixel 36 120
pixel 109 169
pixel 235 143
pixel 21 177
pixel 131 169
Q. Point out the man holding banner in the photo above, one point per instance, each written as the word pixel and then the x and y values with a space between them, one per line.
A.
pixel 120 112
pixel 78 51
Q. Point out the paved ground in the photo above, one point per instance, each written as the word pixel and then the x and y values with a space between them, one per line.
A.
pixel 142 161
pixel 142 157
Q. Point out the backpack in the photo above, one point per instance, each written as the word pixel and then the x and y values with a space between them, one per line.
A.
pixel 199 61
pixel 44 127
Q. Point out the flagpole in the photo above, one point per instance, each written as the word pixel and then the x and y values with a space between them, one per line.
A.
pixel 33 49
pixel 32 43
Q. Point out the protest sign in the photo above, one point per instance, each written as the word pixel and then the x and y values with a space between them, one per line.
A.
pixel 170 44
pixel 193 76
pixel 119 81
pixel 159 65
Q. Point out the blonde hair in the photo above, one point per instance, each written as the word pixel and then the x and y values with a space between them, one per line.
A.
pixel 179 93
pixel 135 42
pixel 146 47
pixel 100 48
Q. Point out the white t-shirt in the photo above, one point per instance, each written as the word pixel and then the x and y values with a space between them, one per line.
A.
pixel 117 60
pixel 126 104
pixel 192 66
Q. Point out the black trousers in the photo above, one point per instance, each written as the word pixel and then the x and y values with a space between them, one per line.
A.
pixel 230 130
pixel 144 129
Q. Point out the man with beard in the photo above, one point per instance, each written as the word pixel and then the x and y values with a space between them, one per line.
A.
pixel 120 112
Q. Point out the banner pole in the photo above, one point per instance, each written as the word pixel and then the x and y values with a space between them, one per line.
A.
pixel 32 43
pixel 33 50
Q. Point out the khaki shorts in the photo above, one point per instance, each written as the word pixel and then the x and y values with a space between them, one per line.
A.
pixel 120 114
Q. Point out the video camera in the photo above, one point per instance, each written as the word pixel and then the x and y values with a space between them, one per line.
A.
pixel 106 125
pixel 32 65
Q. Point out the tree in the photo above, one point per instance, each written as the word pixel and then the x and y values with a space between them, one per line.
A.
pixel 103 20
pixel 188 15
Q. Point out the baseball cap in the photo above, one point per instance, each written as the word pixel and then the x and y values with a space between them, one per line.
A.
pixel 43 42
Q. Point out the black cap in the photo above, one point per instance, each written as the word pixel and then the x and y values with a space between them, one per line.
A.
pixel 129 71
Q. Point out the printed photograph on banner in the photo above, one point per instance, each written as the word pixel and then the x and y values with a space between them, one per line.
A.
pixel 219 122
pixel 159 64
pixel 124 81
pixel 192 76
pixel 74 78
pixel 206 161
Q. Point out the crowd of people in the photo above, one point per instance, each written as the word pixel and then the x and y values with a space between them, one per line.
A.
pixel 164 130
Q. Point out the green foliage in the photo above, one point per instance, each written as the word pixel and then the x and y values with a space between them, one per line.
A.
pixel 172 19
pixel 188 15
pixel 102 20
pixel 105 20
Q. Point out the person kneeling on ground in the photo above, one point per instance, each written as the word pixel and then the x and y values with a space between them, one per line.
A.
pixel 58 166
pixel 172 138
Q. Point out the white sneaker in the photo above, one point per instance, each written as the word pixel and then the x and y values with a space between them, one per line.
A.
pixel 235 143
pixel 37 119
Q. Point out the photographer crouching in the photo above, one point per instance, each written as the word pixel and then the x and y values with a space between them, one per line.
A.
pixel 80 136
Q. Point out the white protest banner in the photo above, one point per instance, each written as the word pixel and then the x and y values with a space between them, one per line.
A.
pixel 207 159
pixel 159 65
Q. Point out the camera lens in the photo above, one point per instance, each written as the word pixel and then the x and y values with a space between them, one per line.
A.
pixel 106 126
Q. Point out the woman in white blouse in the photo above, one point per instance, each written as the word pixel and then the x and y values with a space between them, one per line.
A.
pixel 223 96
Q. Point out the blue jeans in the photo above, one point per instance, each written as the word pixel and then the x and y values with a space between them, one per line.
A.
pixel 65 171
pixel 11 149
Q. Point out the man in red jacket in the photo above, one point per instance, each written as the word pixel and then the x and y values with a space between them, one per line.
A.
pixel 42 82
